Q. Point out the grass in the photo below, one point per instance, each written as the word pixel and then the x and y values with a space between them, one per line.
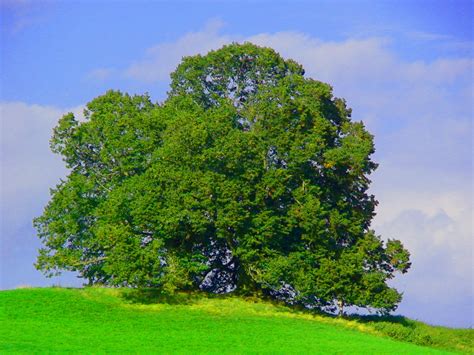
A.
pixel 405 329
pixel 99 320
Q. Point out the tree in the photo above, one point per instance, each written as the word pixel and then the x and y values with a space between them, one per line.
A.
pixel 250 178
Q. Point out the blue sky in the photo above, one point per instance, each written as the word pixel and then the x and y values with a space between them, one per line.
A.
pixel 405 67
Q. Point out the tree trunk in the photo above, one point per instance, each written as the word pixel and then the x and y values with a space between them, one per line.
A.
pixel 340 304
pixel 245 284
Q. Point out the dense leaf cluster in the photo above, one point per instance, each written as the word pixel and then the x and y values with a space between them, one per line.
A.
pixel 249 177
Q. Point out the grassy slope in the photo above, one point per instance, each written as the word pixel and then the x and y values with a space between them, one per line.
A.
pixel 107 320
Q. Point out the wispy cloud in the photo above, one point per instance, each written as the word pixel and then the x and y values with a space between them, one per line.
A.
pixel 20 14
pixel 428 36
pixel 101 74
pixel 440 41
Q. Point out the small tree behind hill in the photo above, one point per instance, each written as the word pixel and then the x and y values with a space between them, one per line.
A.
pixel 249 177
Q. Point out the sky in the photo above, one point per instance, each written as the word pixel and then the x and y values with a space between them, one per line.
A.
pixel 404 67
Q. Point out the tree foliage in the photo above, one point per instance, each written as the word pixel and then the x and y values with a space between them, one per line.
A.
pixel 249 177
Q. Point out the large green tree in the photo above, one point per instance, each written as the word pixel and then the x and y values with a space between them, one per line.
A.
pixel 250 177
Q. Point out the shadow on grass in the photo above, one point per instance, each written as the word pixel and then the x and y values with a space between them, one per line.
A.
pixel 148 296
pixel 385 319
pixel 157 296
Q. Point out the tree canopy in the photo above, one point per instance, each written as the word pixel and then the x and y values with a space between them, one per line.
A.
pixel 249 178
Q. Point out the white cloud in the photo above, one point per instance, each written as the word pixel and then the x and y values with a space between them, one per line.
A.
pixel 438 288
pixel 334 62
pixel 29 168
pixel 161 59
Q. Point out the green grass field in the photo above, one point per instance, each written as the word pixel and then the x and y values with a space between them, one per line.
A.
pixel 99 320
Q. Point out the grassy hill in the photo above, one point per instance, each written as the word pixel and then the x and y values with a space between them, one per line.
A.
pixel 96 320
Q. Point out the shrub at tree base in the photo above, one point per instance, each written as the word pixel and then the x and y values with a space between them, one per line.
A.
pixel 250 178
